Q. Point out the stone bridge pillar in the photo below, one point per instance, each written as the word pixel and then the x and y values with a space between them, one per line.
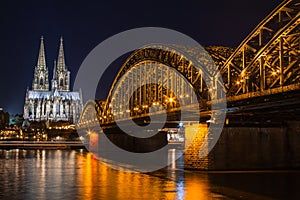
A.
pixel 191 154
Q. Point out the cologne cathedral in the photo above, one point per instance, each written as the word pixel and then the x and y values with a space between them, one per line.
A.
pixel 57 103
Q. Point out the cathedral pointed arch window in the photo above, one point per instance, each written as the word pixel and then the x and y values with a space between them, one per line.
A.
pixel 30 111
pixel 41 81
pixel 61 82
pixel 57 109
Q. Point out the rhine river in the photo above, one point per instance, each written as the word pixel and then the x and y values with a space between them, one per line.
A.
pixel 77 174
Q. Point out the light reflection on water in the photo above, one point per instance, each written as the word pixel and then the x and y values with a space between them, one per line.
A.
pixel 58 174
pixel 76 174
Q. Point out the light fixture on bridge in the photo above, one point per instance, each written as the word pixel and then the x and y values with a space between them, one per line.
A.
pixel 274 73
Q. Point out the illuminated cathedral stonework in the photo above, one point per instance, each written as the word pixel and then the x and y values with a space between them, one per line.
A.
pixel 57 103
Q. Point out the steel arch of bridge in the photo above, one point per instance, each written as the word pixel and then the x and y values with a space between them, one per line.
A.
pixel 267 61
pixel 268 57
pixel 90 115
pixel 165 62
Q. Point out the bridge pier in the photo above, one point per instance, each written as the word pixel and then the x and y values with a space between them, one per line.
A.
pixel 247 148
pixel 124 141
pixel 191 154
pixel 134 144
pixel 257 147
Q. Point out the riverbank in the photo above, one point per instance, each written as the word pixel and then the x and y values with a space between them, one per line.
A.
pixel 41 145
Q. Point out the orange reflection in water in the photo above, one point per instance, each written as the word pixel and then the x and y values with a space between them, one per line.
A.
pixel 95 180
pixel 79 175
pixel 197 187
pixel 98 181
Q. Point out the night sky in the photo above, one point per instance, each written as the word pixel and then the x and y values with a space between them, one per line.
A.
pixel 84 24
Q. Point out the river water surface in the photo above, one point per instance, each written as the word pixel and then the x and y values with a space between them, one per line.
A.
pixel 77 174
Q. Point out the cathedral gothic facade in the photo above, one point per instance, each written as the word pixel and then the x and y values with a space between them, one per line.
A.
pixel 57 103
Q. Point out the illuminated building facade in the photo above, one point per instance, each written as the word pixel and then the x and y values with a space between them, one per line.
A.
pixel 57 103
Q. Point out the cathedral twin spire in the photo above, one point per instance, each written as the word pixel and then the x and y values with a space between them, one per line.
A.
pixel 61 57
pixel 40 80
pixel 61 76
pixel 42 59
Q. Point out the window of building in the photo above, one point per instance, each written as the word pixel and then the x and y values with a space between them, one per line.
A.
pixel 61 82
